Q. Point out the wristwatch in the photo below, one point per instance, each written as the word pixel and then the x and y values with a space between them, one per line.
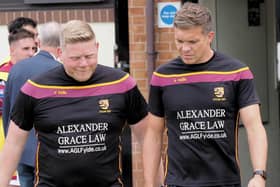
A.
pixel 262 173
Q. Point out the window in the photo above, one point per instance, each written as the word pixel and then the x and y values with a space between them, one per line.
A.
pixel 193 1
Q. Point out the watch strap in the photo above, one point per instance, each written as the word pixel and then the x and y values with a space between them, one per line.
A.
pixel 262 173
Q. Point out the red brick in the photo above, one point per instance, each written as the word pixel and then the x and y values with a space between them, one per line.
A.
pixel 138 56
pixel 95 15
pixel 137 47
pixel 56 16
pixel 16 14
pixel 111 15
pixel 49 16
pixel 41 17
pixel 163 47
pixel 137 20
pixel 166 37
pixel 80 15
pixel 140 74
pixel 3 18
pixel 138 3
pixel 103 15
pixel 139 38
pixel 138 65
pixel 71 14
pixel 137 11
pixel 25 14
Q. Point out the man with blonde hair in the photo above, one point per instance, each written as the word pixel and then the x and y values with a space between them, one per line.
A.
pixel 79 110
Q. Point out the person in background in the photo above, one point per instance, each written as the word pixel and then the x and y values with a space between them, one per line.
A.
pixel 201 95
pixel 25 23
pixel 43 61
pixel 79 110
pixel 16 24
pixel 22 45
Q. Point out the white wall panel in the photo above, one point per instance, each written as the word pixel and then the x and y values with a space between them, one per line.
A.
pixel 105 35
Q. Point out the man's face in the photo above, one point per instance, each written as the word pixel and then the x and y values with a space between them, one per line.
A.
pixel 80 59
pixel 193 45
pixel 22 49
pixel 34 31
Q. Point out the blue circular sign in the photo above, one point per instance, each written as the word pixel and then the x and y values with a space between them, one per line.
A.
pixel 167 14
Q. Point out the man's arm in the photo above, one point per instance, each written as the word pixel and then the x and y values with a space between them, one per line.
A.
pixel 152 151
pixel 139 129
pixel 11 152
pixel 257 141
pixel 6 106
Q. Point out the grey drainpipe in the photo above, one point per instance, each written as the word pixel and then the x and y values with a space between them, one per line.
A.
pixel 151 53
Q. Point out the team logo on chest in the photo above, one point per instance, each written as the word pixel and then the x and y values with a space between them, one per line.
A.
pixel 104 106
pixel 219 93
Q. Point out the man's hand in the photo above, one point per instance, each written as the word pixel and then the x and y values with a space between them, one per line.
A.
pixel 256 181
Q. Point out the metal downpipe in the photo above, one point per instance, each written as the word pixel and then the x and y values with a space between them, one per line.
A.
pixel 151 53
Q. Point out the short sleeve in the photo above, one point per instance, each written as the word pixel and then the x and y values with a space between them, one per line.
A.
pixel 136 106
pixel 155 97
pixel 247 94
pixel 22 111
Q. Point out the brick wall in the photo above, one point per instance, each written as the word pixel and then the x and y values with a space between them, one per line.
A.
pixel 165 48
pixel 89 15
pixel 138 69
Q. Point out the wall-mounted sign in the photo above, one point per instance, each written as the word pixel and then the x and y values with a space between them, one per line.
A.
pixel 166 13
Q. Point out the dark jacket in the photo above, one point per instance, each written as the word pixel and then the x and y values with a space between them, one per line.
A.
pixel 19 74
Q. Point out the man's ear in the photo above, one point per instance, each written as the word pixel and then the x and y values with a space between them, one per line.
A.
pixel 58 54
pixel 12 49
pixel 38 43
pixel 211 36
